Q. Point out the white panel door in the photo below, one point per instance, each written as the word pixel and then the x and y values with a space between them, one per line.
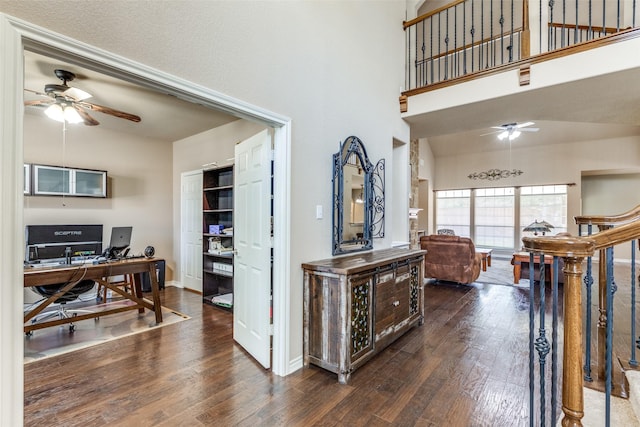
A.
pixel 252 241
pixel 191 230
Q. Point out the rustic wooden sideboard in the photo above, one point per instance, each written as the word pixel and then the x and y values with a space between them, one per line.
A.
pixel 355 306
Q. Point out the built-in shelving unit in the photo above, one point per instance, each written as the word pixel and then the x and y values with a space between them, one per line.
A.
pixel 217 218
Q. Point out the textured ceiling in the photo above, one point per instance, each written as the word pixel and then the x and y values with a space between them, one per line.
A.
pixel 164 117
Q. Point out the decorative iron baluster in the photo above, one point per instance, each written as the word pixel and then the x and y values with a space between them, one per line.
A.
pixel 439 47
pixel 431 46
pixel 464 39
pixel 632 361
pixel 550 42
pixel 588 282
pixel 554 341
pixel 542 344
pixel 501 21
pixel 563 31
pixel 472 32
pixel 575 36
pixel 416 31
pixel 455 72
pixel 531 342
pixel 423 77
pixel 609 335
pixel 446 46
pixel 590 33
pixel 511 35
pixel 493 43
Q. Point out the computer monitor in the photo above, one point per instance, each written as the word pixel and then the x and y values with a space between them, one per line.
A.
pixel 120 240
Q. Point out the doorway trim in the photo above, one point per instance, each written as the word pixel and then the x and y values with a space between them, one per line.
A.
pixel 16 36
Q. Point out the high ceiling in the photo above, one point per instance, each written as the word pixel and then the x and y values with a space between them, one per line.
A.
pixel 164 117
pixel 596 108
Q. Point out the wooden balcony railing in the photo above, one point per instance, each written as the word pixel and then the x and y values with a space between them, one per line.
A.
pixel 576 343
pixel 466 38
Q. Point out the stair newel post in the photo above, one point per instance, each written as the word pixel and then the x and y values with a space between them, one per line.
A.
pixel 572 375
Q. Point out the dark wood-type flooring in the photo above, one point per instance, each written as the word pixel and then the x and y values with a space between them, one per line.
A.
pixel 466 366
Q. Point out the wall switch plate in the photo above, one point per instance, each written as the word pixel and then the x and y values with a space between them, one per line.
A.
pixel 318 211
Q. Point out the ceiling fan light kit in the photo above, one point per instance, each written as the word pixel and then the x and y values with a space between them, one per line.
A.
pixel 62 112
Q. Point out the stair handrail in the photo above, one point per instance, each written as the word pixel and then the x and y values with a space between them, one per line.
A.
pixel 609 220
pixel 574 250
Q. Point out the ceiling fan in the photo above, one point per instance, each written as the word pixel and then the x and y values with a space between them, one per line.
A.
pixel 512 130
pixel 66 103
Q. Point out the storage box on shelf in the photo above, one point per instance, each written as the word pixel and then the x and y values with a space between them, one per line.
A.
pixel 217 216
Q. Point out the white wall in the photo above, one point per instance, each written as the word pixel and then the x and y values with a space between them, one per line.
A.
pixel 546 164
pixel 334 68
pixel 138 173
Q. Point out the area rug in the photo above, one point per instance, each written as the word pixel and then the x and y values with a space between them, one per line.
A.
pixel 56 340
pixel 500 273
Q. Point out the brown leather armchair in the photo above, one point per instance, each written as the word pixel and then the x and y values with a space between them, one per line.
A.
pixel 451 258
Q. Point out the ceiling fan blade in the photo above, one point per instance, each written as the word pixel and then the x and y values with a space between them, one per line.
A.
pixel 490 133
pixel 38 102
pixel 524 125
pixel 77 94
pixel 499 127
pixel 528 129
pixel 36 92
pixel 88 120
pixel 110 111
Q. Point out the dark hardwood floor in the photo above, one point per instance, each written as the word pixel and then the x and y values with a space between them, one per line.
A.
pixel 466 366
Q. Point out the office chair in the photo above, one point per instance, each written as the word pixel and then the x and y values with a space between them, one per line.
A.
pixel 47 291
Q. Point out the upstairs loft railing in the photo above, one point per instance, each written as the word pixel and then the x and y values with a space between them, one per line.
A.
pixel 471 36
pixel 547 374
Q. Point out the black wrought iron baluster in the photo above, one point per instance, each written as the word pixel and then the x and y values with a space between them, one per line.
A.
pixel 482 43
pixel 439 47
pixel 511 35
pixel 431 46
pixel 633 20
pixel 554 341
pixel 588 282
pixel 455 66
pixel 540 25
pixel 472 32
pixel 501 32
pixel 464 38
pixel 542 343
pixel 446 46
pixel 563 31
pixel 590 33
pixel 491 41
pixel 609 335
pixel 550 30
pixel 423 73
pixel 575 35
pixel 618 18
pixel 604 17
pixel 532 325
pixel 632 359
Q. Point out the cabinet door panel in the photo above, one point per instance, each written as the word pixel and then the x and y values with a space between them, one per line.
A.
pixel 385 297
pixel 361 316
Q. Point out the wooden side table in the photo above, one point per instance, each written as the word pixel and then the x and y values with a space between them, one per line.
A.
pixel 520 257
pixel 486 257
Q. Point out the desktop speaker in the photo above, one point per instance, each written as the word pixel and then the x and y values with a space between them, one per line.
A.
pixel 149 251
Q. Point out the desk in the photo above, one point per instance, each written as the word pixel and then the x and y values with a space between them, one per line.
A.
pixel 486 257
pixel 70 274
pixel 520 257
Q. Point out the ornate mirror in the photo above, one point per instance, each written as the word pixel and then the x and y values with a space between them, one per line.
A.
pixel 358 205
